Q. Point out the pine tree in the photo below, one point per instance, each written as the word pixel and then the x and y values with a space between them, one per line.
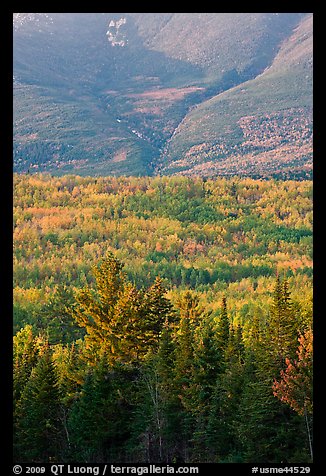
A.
pixel 172 409
pixel 222 425
pixel 122 322
pixel 206 369
pixel 95 311
pixel 100 418
pixel 189 313
pixel 25 352
pixel 223 329
pixel 56 318
pixel 126 326
pixel 295 385
pixel 280 335
pixel 39 429
pixel 275 431
pixel 157 310
pixel 71 369
pixel 88 419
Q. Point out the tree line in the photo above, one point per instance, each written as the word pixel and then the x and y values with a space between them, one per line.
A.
pixel 215 236
pixel 123 374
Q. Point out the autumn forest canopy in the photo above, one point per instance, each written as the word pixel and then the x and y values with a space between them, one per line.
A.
pixel 162 319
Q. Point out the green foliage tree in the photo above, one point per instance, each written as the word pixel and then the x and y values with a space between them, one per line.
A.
pixel 207 366
pixel 280 333
pixel 275 430
pixel 100 417
pixel 95 310
pixel 189 314
pixel 121 321
pixel 57 319
pixel 295 385
pixel 25 354
pixel 38 415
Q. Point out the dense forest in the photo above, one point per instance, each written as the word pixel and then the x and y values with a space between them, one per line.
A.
pixel 162 320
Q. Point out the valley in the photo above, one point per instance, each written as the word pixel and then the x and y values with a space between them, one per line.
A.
pixel 169 95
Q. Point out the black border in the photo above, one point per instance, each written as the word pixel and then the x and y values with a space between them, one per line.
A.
pixel 6 191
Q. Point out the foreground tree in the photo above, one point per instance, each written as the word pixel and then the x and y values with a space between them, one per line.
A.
pixel 25 350
pixel 100 417
pixel 39 429
pixel 276 432
pixel 280 332
pixel 295 385
pixel 121 321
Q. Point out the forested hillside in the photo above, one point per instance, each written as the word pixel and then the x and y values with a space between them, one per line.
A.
pixel 163 93
pixel 260 128
pixel 162 319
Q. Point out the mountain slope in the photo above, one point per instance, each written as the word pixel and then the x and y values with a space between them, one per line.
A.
pixel 116 93
pixel 262 127
pixel 218 42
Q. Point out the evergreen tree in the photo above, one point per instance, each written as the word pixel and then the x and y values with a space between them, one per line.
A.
pixel 56 318
pixel 275 432
pixel 189 313
pixel 127 326
pixel 206 369
pixel 38 428
pixel 71 369
pixel 221 431
pixel 157 416
pixel 122 322
pixel 223 329
pixel 157 310
pixel 25 353
pixel 95 311
pixel 280 336
pixel 165 363
pixel 100 418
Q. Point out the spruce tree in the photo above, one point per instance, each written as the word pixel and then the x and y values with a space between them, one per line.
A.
pixel 172 427
pixel 56 318
pixel 157 310
pixel 121 321
pixel 275 431
pixel 88 420
pixel 280 335
pixel 100 418
pixel 25 352
pixel 223 329
pixel 225 402
pixel 39 428
pixel 95 309
pixel 189 313
pixel 206 368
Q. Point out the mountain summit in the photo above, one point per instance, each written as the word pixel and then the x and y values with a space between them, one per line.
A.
pixel 163 93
